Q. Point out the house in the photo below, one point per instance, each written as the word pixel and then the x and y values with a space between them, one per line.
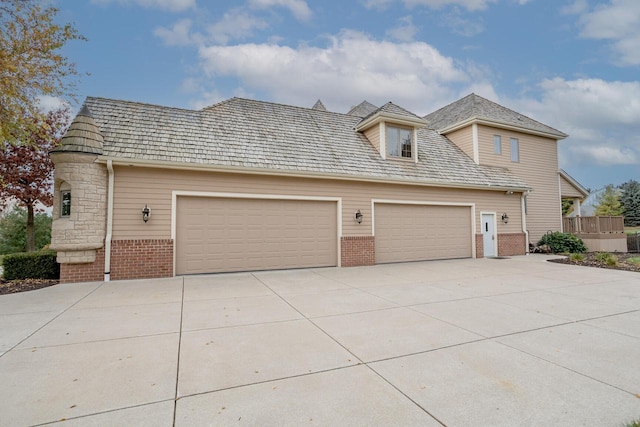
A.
pixel 150 191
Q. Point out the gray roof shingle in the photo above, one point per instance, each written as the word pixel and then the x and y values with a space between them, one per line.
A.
pixel 363 109
pixel 394 109
pixel 475 106
pixel 279 138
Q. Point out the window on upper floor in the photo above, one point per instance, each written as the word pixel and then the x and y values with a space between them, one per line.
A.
pixel 497 144
pixel 399 142
pixel 515 150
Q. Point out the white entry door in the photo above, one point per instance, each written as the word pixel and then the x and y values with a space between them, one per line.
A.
pixel 489 234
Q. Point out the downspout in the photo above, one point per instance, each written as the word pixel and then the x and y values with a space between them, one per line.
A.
pixel 107 242
pixel 524 221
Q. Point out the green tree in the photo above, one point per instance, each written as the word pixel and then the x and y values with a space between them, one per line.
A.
pixel 630 199
pixel 567 207
pixel 609 202
pixel 31 65
pixel 26 171
pixel 13 231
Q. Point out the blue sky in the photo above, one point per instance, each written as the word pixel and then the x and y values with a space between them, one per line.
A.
pixel 571 64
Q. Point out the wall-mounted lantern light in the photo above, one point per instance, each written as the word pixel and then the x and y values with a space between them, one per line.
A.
pixel 146 213
pixel 505 218
pixel 358 216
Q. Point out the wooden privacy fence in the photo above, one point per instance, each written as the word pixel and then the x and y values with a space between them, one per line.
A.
pixel 633 242
pixel 593 224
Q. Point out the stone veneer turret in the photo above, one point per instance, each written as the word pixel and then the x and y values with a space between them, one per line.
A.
pixel 80 232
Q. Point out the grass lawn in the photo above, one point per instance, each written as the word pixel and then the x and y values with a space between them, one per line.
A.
pixel 631 230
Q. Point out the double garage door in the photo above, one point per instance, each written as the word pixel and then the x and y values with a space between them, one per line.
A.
pixel 422 232
pixel 235 234
pixel 229 234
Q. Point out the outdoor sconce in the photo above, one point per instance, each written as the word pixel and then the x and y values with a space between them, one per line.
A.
pixel 146 213
pixel 505 218
pixel 358 216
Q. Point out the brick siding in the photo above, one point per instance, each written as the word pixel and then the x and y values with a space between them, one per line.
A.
pixel 85 272
pixel 512 244
pixel 141 259
pixel 479 246
pixel 358 250
pixel 130 259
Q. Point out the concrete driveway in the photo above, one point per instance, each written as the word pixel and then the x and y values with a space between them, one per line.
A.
pixel 486 342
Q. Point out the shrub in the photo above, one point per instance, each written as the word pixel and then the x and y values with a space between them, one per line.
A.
pixel 31 265
pixel 607 258
pixel 563 243
pixel 576 257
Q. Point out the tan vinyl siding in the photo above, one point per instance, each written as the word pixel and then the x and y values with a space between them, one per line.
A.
pixel 568 190
pixel 373 135
pixel 537 166
pixel 463 138
pixel 137 186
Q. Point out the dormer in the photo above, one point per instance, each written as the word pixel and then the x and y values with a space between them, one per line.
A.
pixel 393 132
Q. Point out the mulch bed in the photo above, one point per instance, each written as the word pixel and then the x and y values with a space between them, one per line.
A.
pixel 14 286
pixel 591 261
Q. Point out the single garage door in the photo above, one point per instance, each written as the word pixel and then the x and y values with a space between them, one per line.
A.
pixel 421 232
pixel 228 234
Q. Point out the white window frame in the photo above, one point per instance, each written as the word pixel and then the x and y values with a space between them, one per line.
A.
pixel 515 149
pixel 497 144
pixel 413 144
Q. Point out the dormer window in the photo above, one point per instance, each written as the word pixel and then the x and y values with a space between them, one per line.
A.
pixel 399 142
pixel 393 131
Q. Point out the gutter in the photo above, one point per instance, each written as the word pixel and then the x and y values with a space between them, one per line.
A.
pixel 524 222
pixel 107 242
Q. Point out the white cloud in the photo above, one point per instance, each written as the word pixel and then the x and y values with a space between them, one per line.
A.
pixel 170 5
pixel 462 26
pixel 608 155
pixel 575 8
pixel 298 8
pixel 352 67
pixel 377 4
pixel 235 24
pixel 47 103
pixel 178 35
pixel 619 22
pixel 405 31
pixel 601 118
pixel 471 5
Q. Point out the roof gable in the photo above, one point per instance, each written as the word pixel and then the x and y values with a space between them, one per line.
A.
pixel 362 110
pixel 476 108
pixel 392 113
pixel 572 183
pixel 319 106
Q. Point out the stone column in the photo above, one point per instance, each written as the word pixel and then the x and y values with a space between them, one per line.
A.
pixel 77 233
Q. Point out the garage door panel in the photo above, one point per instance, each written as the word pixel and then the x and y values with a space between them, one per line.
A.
pixel 218 234
pixel 422 232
